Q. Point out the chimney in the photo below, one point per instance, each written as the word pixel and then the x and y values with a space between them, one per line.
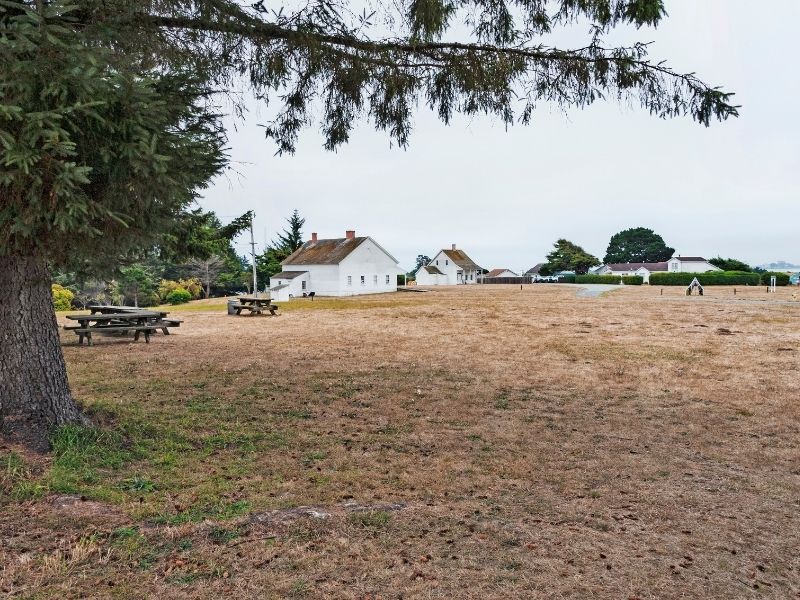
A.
pixel 454 246
pixel 350 234
pixel 314 237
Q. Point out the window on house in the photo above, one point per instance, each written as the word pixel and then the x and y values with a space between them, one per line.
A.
pixel 374 280
pixel 304 284
pixel 387 280
pixel 437 263
pixel 363 279
pixel 447 262
pixel 349 280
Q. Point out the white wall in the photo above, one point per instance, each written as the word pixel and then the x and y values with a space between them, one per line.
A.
pixel 424 278
pixel 294 289
pixel 679 266
pixel 372 263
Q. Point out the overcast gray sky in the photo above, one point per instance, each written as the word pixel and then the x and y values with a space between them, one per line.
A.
pixel 505 196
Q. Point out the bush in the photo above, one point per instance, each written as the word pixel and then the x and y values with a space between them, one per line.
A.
pixel 191 285
pixel 710 278
pixel 569 278
pixel 179 296
pixel 610 279
pixel 780 278
pixel 62 297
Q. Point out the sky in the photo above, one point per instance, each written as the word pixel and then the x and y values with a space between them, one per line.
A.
pixel 505 195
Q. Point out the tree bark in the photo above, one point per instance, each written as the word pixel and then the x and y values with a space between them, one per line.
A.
pixel 34 392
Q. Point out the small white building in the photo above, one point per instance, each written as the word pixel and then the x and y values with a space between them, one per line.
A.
pixel 676 264
pixel 500 273
pixel 346 266
pixel 448 267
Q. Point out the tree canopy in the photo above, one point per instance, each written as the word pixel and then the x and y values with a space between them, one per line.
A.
pixel 730 264
pixel 567 256
pixel 638 244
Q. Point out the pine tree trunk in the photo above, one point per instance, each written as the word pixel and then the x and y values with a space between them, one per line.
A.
pixel 34 392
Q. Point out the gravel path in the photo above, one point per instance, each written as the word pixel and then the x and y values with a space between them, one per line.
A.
pixel 593 290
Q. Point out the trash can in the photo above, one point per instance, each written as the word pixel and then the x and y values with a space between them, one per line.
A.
pixel 232 306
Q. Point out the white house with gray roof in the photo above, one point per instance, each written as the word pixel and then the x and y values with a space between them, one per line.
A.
pixel 676 264
pixel 449 267
pixel 346 266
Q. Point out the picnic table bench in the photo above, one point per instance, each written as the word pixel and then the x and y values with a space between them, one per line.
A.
pixel 106 320
pixel 162 315
pixel 256 306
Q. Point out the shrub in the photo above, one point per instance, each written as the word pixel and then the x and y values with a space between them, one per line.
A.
pixel 710 278
pixel 62 297
pixel 191 285
pixel 610 279
pixel 780 278
pixel 568 278
pixel 179 296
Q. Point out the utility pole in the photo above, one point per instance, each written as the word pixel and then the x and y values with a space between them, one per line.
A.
pixel 253 257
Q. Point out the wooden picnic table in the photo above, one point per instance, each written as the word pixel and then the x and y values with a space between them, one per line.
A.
pixel 256 305
pixel 107 308
pixel 162 315
pixel 121 321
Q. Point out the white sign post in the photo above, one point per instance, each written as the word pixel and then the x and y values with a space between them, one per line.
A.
pixel 772 283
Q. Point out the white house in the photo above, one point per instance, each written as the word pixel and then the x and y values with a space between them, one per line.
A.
pixel 500 273
pixel 676 264
pixel 345 266
pixel 690 264
pixel 448 267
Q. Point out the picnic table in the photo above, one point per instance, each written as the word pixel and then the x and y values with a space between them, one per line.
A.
pixel 110 309
pixel 112 320
pixel 256 305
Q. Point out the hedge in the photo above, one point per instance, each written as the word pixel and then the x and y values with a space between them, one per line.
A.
pixel 710 278
pixel 570 278
pixel 611 279
pixel 780 278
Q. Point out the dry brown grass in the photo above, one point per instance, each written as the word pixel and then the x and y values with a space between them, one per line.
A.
pixel 466 443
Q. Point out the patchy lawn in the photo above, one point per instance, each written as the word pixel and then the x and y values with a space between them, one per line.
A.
pixel 480 442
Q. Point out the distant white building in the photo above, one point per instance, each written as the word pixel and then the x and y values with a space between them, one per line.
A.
pixel 449 267
pixel 345 266
pixel 676 264
pixel 500 273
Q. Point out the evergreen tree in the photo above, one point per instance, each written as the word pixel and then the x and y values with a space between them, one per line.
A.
pixel 730 264
pixel 109 127
pixel 292 238
pixel 637 245
pixel 567 256
pixel 269 261
pixel 422 260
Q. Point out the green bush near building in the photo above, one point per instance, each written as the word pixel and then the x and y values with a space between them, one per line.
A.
pixel 610 279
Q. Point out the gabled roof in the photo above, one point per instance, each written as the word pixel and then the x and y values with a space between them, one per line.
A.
pixel 278 287
pixel 689 258
pixel 497 272
pixel 460 258
pixel 652 266
pixel 433 270
pixel 534 270
pixel 287 274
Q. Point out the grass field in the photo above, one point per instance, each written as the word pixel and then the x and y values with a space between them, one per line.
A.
pixel 482 442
